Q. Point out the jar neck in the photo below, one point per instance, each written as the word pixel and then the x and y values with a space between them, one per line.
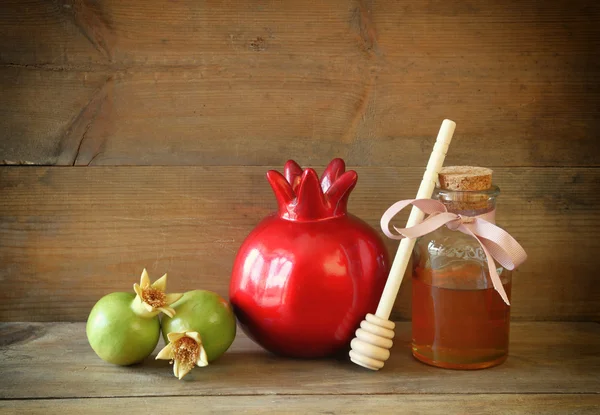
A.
pixel 469 203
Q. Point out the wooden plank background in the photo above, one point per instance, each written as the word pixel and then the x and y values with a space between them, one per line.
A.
pixel 179 108
pixel 71 235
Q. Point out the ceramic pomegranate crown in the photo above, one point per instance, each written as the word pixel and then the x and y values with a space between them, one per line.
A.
pixel 301 196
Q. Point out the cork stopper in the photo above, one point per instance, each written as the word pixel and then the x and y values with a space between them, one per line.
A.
pixel 465 178
pixel 471 185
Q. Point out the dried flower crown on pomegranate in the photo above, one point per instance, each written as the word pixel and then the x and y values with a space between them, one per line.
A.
pixel 151 299
pixel 185 350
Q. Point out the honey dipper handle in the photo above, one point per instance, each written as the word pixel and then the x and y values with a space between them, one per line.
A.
pixel 436 160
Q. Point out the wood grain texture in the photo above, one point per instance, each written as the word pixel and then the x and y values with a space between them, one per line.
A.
pixel 50 34
pixel 238 83
pixel 70 235
pixel 46 114
pixel 573 404
pixel 54 360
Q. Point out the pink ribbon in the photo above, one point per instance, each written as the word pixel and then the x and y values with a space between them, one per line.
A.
pixel 496 242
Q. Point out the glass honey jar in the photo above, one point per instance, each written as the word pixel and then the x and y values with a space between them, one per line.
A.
pixel 459 321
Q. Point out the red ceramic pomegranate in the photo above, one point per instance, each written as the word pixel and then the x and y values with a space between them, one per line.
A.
pixel 307 275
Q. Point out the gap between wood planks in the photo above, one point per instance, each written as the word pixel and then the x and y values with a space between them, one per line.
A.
pixel 116 68
pixel 25 163
pixel 246 395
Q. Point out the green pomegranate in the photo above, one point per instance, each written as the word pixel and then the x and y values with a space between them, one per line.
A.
pixel 123 328
pixel 209 315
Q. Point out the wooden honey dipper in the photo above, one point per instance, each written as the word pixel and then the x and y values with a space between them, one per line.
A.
pixel 373 341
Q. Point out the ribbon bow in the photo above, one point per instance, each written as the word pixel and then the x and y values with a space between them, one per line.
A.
pixel 496 242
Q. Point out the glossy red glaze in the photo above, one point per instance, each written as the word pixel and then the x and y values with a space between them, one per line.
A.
pixel 306 276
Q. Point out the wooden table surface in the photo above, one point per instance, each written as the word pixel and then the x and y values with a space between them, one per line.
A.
pixel 50 368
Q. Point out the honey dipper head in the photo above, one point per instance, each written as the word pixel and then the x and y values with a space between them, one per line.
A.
pixel 371 347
